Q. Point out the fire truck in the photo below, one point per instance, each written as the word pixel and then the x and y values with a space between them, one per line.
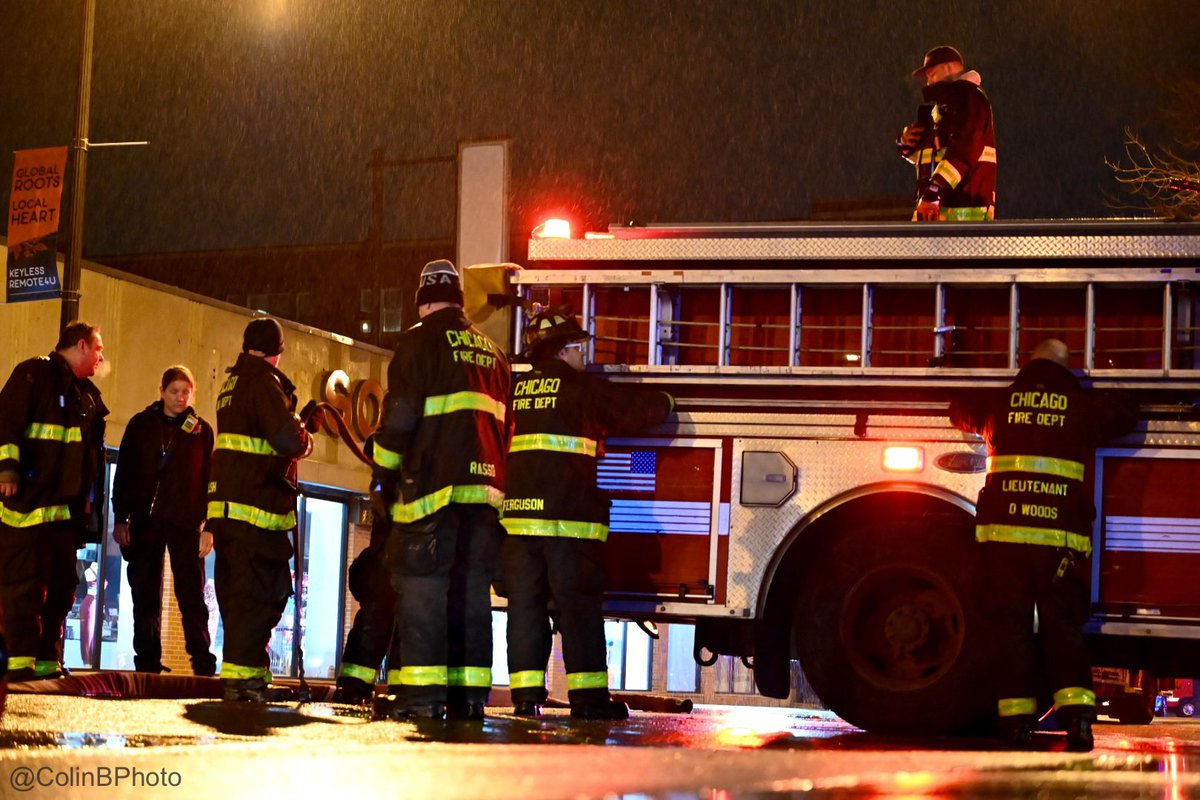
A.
pixel 811 502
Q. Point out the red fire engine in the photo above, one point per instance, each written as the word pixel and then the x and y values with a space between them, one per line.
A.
pixel 812 502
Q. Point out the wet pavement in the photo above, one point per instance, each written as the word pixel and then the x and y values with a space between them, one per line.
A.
pixel 67 747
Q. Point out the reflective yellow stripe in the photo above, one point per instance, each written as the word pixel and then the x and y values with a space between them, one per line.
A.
pixel 245 444
pixel 1059 467
pixel 44 668
pixel 424 506
pixel 565 528
pixel 587 680
pixel 988 154
pixel 1074 696
pixel 527 679
pixel 469 676
pixel 1016 534
pixel 237 672
pixel 355 671
pixel 554 443
pixel 925 156
pixel 38 516
pixel 967 214
pixel 21 662
pixel 53 433
pixel 951 175
pixel 388 459
pixel 240 512
pixel 419 676
pixel 464 401
pixel 1018 706
pixel 8 451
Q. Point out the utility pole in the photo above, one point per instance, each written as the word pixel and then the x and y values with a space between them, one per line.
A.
pixel 78 169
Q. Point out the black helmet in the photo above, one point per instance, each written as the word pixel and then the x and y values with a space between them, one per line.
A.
pixel 549 329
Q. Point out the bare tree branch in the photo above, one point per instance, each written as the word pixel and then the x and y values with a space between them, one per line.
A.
pixel 1164 181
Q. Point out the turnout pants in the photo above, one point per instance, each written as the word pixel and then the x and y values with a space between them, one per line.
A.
pixel 570 572
pixel 1018 578
pixel 442 568
pixel 371 585
pixel 37 590
pixel 253 582
pixel 149 538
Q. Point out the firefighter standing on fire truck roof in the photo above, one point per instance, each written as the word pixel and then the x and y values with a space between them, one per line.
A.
pixel 1035 520
pixel 439 462
pixel 954 145
pixel 556 517
pixel 252 507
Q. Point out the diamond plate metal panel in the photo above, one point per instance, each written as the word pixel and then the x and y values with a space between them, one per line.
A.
pixel 1163 245
pixel 827 469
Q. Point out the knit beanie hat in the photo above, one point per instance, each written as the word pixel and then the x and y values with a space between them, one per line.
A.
pixel 439 283
pixel 264 335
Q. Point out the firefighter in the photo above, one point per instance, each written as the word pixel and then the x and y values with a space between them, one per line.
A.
pixel 159 505
pixel 252 507
pixel 439 456
pixel 557 518
pixel 368 639
pixel 1034 521
pixel 953 143
pixel 51 464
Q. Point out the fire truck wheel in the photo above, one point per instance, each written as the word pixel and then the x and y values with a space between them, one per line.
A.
pixel 888 633
pixel 1136 708
pixel 1187 707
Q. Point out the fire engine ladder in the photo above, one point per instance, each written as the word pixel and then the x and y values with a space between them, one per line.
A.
pixel 1160 340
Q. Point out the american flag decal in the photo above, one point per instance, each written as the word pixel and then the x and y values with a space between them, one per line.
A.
pixel 628 472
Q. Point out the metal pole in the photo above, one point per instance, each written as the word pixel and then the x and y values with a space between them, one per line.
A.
pixel 78 169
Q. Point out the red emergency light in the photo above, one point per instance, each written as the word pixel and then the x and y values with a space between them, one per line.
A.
pixel 553 229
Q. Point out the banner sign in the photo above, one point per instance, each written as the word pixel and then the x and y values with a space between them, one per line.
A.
pixel 33 213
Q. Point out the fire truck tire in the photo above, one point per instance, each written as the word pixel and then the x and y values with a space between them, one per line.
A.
pixel 888 632
pixel 1187 707
pixel 1136 709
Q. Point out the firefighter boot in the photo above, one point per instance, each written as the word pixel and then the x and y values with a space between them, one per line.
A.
pixel 1017 731
pixel 527 708
pixel 390 706
pixel 464 710
pixel 1079 735
pixel 254 690
pixel 600 709
pixel 353 691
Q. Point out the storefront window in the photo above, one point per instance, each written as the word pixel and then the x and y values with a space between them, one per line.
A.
pixel 683 673
pixel 732 676
pixel 629 654
pixel 100 625
pixel 499 648
pixel 323 535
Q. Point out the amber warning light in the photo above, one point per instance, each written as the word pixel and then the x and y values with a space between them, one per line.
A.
pixel 903 458
pixel 553 229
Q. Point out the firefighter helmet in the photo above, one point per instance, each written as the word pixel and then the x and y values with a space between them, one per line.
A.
pixel 549 329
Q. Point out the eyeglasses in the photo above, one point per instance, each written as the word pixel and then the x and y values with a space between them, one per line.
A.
pixel 573 346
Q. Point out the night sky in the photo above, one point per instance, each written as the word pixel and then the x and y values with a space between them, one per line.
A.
pixel 262 114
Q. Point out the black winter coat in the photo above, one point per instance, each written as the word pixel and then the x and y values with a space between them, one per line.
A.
pixel 444 430
pixel 1041 434
pixel 163 467
pixel 52 445
pixel 562 417
pixel 259 439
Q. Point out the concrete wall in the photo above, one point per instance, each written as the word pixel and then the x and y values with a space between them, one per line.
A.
pixel 148 326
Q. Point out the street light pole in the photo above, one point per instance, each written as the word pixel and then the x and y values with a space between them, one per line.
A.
pixel 78 169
